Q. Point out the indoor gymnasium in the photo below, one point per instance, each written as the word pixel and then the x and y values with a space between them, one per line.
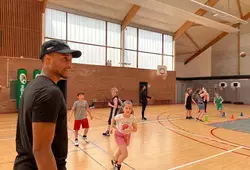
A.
pixel 124 84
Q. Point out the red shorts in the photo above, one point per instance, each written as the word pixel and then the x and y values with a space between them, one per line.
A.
pixel 83 122
pixel 122 139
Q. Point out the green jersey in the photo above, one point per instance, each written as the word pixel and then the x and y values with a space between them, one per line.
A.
pixel 218 102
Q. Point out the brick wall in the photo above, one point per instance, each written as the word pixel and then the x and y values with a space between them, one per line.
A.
pixel 21 28
pixel 94 81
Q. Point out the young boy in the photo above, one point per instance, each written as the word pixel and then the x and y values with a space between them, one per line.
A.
pixel 218 100
pixel 79 110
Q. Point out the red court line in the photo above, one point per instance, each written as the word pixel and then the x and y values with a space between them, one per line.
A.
pixel 194 138
pixel 212 133
pixel 190 132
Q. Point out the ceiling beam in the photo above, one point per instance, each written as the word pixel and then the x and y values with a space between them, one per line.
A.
pixel 185 53
pixel 130 15
pixel 218 38
pixel 188 24
pixel 223 22
pixel 240 9
pixel 44 5
pixel 192 40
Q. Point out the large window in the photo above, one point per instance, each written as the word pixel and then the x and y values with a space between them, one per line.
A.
pixel 86 30
pixel 100 41
pixel 114 43
pixel 90 54
pixel 55 24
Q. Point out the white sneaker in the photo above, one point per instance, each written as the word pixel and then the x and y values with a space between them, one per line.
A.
pixel 76 143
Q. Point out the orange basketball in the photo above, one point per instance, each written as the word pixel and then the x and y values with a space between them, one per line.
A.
pixel 243 54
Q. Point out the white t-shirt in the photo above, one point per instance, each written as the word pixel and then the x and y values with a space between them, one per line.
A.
pixel 123 123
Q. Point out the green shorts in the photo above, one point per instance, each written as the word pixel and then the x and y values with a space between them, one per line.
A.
pixel 219 107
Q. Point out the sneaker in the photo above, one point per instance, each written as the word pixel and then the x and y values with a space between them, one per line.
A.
pixel 113 162
pixel 106 133
pixel 117 167
pixel 223 114
pixel 144 118
pixel 76 143
pixel 191 117
pixel 85 139
pixel 187 117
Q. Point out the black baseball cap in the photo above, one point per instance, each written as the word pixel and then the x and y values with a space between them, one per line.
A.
pixel 58 46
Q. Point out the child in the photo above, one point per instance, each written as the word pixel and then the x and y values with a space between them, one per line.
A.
pixel 123 124
pixel 79 110
pixel 188 103
pixel 114 104
pixel 205 98
pixel 200 104
pixel 218 102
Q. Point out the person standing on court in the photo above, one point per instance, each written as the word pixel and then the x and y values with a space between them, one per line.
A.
pixel 41 134
pixel 144 101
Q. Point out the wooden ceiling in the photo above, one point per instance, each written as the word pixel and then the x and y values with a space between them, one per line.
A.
pixel 169 16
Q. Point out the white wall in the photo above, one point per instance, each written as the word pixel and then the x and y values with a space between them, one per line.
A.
pixel 225 54
pixel 198 67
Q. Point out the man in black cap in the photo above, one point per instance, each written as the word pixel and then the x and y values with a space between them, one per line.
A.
pixel 41 135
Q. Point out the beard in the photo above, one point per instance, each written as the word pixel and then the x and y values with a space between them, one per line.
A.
pixel 62 74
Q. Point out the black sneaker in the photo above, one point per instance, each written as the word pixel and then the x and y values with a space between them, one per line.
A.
pixel 144 118
pixel 187 117
pixel 113 162
pixel 117 167
pixel 106 133
pixel 191 117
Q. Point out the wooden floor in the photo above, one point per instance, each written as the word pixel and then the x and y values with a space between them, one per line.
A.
pixel 165 141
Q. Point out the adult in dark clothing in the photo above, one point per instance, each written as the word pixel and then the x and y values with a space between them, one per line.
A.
pixel 144 101
pixel 41 134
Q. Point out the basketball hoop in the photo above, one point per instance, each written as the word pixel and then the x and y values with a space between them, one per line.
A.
pixel 164 76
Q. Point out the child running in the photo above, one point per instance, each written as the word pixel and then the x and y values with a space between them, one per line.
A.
pixel 218 100
pixel 114 104
pixel 188 103
pixel 124 124
pixel 79 110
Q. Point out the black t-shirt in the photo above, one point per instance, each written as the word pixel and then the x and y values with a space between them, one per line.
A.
pixel 143 96
pixel 42 101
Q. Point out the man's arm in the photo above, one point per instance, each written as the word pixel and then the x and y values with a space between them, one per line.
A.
pixel 44 117
pixel 43 135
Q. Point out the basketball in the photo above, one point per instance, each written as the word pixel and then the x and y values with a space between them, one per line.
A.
pixel 243 54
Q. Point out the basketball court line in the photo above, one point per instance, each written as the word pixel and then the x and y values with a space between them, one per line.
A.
pixel 201 136
pixel 212 133
pixel 207 158
pixel 103 150
pixel 188 137
pixel 88 155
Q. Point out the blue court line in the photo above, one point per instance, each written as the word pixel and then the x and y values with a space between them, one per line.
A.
pixel 105 151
